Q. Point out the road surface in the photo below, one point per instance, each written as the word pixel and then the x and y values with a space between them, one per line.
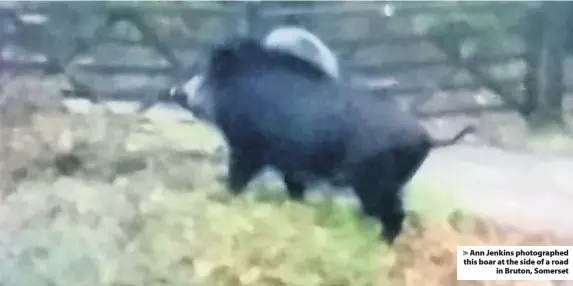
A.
pixel 530 191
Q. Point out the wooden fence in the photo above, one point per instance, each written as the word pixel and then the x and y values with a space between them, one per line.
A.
pixel 130 50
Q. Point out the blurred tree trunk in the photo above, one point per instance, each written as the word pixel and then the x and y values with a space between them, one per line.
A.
pixel 548 112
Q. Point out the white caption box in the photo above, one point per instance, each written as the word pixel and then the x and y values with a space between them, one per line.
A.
pixel 515 262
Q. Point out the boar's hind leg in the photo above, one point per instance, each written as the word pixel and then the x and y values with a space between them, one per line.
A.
pixel 382 201
pixel 295 188
pixel 401 164
pixel 379 195
pixel 243 167
pixel 379 182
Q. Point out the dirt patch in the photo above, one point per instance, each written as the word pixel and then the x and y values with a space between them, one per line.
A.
pixel 427 254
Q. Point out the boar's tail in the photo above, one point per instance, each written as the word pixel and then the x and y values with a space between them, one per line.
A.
pixel 437 143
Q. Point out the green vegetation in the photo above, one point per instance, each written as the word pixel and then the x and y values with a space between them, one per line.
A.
pixel 172 223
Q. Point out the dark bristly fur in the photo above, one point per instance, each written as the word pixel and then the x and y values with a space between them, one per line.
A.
pixel 275 109
pixel 236 56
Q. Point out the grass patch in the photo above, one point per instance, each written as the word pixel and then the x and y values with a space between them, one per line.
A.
pixel 170 222
pixel 254 240
pixel 138 232
pixel 179 135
